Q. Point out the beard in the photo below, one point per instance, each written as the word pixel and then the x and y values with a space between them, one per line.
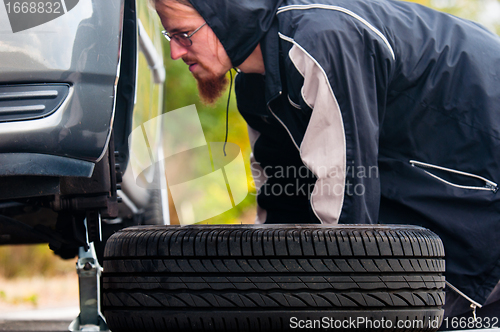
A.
pixel 211 88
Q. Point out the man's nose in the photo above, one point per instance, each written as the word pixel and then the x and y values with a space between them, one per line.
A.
pixel 177 51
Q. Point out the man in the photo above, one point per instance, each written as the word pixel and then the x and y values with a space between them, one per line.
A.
pixel 388 110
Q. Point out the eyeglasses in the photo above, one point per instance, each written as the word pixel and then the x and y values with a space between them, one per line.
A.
pixel 182 38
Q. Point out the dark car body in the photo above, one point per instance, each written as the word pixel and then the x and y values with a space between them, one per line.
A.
pixel 72 90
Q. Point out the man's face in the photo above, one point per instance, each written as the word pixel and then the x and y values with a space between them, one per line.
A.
pixel 206 57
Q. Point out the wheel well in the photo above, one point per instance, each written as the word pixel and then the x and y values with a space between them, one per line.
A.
pixel 125 97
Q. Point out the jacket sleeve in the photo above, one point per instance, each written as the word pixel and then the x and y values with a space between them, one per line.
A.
pixel 346 69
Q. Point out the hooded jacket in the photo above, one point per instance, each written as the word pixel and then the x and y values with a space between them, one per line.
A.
pixel 373 112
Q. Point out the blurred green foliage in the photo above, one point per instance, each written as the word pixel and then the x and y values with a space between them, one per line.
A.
pixel 29 299
pixel 180 91
pixel 32 260
pixel 485 12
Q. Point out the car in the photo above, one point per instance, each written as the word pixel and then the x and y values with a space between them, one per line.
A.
pixel 76 79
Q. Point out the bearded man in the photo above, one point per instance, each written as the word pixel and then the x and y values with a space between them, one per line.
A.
pixel 343 87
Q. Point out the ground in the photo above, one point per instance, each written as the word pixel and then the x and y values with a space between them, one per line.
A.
pixel 38 292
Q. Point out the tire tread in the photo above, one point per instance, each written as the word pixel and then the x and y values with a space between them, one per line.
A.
pixel 254 278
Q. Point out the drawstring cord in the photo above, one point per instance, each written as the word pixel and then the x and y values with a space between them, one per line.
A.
pixel 473 304
pixel 227 110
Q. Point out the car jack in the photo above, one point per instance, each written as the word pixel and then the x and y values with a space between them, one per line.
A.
pixel 89 274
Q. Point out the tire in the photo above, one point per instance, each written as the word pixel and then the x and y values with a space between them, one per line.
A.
pixel 273 278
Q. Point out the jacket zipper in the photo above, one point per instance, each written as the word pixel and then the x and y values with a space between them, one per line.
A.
pixel 488 185
pixel 284 126
pixel 294 105
pixel 298 148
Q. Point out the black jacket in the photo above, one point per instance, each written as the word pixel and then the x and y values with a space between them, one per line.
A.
pixel 390 110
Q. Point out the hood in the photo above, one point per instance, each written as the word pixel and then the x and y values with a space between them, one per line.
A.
pixel 239 24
